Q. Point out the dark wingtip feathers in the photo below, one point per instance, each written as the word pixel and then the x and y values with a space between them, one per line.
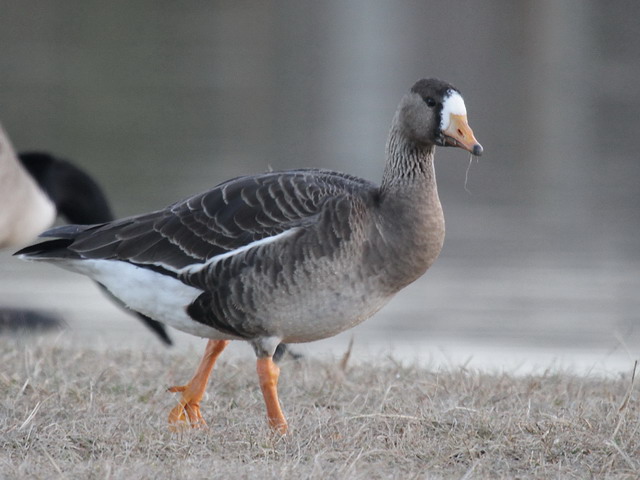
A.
pixel 67 231
pixel 50 249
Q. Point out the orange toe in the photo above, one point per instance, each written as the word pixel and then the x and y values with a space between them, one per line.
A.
pixel 176 389
pixel 187 412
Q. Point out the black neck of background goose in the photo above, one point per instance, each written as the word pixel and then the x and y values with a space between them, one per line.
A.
pixel 77 197
pixel 408 163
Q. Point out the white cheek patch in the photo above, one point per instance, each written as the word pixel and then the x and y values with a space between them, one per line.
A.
pixel 453 105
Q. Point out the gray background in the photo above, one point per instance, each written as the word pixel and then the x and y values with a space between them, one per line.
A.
pixel 159 100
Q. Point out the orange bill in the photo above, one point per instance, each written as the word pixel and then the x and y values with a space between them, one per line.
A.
pixel 459 134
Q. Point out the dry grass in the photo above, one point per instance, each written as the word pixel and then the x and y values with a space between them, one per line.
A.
pixel 67 412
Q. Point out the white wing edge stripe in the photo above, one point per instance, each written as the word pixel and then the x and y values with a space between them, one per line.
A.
pixel 194 268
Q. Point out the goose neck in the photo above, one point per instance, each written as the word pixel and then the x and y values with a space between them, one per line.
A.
pixel 409 164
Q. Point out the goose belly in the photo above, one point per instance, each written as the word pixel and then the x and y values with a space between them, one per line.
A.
pixel 314 307
pixel 325 315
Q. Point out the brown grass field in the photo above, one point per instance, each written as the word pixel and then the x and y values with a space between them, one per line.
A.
pixel 72 412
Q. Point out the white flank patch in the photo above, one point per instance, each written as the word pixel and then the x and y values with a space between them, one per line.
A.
pixel 153 294
pixel 213 260
pixel 453 105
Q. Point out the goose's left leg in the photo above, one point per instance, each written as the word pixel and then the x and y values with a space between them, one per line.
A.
pixel 268 373
pixel 187 412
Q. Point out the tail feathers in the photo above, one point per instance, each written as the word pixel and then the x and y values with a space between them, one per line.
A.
pixel 64 236
pixel 47 250
pixel 55 249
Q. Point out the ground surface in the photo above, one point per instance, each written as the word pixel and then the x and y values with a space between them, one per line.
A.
pixel 70 412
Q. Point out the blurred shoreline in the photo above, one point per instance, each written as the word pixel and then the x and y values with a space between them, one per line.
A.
pixel 514 320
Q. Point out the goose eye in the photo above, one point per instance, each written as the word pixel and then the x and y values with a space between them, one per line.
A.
pixel 430 102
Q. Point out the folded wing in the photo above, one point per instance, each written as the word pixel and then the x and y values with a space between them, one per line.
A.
pixel 232 215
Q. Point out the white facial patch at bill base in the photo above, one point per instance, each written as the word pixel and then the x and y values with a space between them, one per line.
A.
pixel 453 104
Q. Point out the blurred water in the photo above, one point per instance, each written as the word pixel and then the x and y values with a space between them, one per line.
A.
pixel 503 317
pixel 159 102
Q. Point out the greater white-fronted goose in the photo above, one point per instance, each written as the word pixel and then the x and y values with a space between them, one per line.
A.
pixel 291 256
pixel 36 187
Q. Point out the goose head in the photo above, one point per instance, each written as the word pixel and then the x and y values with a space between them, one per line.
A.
pixel 433 113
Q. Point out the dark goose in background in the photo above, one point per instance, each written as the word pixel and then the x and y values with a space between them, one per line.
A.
pixel 79 200
pixel 290 256
pixel 35 187
pixel 76 196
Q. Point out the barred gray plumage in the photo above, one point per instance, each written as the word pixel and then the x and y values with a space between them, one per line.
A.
pixel 291 256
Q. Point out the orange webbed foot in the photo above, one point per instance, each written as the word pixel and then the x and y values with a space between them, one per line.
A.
pixel 187 412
